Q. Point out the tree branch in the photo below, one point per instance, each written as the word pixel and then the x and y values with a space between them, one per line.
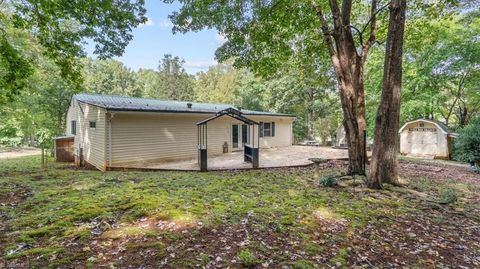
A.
pixel 325 30
pixel 373 27
pixel 358 32
pixel 346 11
pixel 337 16
pixel 373 14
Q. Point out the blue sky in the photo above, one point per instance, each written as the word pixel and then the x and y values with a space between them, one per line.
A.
pixel 155 38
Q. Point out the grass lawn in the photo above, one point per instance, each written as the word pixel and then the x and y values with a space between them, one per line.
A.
pixel 281 218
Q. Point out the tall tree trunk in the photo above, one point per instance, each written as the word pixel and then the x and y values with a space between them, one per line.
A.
pixel 384 157
pixel 349 70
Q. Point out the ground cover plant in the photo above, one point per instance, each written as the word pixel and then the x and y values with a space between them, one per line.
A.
pixel 64 217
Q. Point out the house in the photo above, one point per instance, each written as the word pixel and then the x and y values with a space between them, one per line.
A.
pixel 116 131
pixel 426 138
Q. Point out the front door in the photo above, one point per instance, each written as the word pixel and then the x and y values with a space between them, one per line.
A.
pixel 235 144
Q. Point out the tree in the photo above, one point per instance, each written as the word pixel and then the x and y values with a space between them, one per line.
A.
pixel 218 84
pixel 263 35
pixel 109 77
pixel 383 167
pixel 61 28
pixel 148 82
pixel 175 82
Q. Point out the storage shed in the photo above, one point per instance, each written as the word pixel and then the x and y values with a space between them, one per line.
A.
pixel 426 138
pixel 116 131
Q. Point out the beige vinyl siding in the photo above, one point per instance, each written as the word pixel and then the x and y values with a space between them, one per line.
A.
pixel 92 140
pixel 283 131
pixel 144 137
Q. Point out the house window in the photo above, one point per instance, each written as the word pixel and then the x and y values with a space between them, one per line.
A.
pixel 422 124
pixel 93 124
pixel 267 129
pixel 74 127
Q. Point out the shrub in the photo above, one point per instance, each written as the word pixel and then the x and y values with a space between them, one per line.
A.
pixel 247 258
pixel 467 144
pixel 448 195
pixel 328 181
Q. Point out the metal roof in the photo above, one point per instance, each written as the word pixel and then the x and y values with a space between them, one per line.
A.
pixel 439 124
pixel 124 103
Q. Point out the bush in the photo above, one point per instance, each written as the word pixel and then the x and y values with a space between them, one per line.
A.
pixel 467 144
pixel 328 181
pixel 247 258
pixel 448 195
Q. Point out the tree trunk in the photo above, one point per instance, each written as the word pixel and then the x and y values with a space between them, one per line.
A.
pixel 384 157
pixel 349 70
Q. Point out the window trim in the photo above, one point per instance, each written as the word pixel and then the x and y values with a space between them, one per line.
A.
pixel 271 129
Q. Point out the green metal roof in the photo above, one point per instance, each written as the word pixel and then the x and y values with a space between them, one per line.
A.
pixel 124 103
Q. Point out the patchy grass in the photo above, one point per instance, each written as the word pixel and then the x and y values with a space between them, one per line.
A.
pixel 64 217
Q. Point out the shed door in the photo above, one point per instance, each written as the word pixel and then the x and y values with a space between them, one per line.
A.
pixel 424 143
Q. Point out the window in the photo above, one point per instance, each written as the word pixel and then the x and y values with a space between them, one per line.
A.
pixel 93 124
pixel 74 127
pixel 422 124
pixel 267 129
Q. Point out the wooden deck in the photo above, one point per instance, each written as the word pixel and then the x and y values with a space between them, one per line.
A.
pixel 269 158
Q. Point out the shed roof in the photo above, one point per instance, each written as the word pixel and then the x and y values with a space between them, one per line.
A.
pixel 124 103
pixel 439 124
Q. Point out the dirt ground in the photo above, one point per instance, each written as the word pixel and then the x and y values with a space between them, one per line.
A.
pixel 61 217
pixel 273 157
pixel 10 153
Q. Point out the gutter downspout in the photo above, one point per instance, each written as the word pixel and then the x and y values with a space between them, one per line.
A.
pixel 110 139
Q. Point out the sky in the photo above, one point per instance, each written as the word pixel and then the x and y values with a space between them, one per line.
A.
pixel 154 39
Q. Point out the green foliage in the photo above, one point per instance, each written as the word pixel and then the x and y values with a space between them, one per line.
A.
pixel 61 29
pixel 176 83
pixel 247 258
pixel 14 70
pixel 440 73
pixel 109 77
pixel 467 144
pixel 328 181
pixel 448 195
pixel 219 84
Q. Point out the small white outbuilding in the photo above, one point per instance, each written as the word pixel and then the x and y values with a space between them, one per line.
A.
pixel 426 138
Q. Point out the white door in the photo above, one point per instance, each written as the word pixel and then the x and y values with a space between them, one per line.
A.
pixel 424 143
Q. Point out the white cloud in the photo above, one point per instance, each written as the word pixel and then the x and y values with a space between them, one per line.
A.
pixel 220 38
pixel 166 23
pixel 149 22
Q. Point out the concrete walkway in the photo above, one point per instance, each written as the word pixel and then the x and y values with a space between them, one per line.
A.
pixel 273 157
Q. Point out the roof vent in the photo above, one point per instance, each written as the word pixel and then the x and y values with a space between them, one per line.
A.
pixel 189 105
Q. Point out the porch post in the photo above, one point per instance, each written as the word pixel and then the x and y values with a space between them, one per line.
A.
pixel 202 147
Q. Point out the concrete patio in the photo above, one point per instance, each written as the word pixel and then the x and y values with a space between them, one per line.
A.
pixel 269 158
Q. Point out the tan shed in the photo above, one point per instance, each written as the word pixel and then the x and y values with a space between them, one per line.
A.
pixel 426 138
pixel 116 131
